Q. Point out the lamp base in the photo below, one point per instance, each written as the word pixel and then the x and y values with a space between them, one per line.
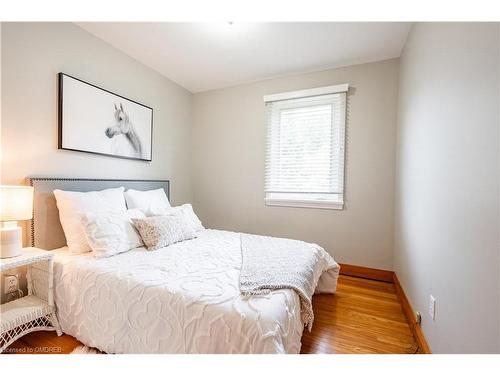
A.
pixel 11 242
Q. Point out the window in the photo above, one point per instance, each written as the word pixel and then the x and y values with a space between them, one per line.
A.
pixel 305 148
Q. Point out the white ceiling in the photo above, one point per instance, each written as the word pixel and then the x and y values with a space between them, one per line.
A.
pixel 206 56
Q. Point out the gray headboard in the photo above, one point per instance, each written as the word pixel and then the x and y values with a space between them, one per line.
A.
pixel 46 231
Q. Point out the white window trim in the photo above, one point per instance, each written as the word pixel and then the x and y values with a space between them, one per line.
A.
pixel 304 203
pixel 332 205
pixel 305 93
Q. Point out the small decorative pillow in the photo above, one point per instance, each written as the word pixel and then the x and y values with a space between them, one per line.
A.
pixel 186 210
pixel 147 200
pixel 109 234
pixel 161 231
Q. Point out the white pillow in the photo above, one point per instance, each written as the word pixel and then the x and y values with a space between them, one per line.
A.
pixel 147 200
pixel 72 205
pixel 161 231
pixel 187 211
pixel 111 233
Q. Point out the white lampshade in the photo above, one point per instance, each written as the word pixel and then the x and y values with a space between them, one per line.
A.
pixel 16 203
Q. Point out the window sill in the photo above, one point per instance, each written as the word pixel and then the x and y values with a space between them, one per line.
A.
pixel 305 204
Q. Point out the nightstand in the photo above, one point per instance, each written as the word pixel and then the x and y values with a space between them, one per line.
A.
pixel 36 311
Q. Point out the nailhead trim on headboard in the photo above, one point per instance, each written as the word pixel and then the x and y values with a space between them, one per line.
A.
pixel 31 179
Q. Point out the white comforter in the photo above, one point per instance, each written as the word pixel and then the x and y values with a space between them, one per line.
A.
pixel 183 298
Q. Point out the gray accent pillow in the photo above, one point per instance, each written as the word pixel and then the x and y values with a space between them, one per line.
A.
pixel 161 231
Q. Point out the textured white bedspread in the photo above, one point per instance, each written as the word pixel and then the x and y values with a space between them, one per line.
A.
pixel 184 298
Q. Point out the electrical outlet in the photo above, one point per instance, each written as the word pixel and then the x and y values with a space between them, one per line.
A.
pixel 432 307
pixel 11 284
pixel 418 318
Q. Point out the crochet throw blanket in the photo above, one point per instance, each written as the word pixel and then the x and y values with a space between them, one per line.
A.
pixel 270 263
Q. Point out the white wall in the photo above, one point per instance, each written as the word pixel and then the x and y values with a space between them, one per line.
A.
pixel 499 189
pixel 32 55
pixel 447 203
pixel 229 135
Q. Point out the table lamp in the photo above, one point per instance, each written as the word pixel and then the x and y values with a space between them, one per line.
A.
pixel 16 203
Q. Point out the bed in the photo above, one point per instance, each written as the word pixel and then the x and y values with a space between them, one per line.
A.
pixel 181 299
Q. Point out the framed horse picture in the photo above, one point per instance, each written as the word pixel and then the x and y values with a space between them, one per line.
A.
pixel 98 121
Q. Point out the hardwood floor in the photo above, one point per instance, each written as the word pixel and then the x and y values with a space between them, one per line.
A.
pixel 364 316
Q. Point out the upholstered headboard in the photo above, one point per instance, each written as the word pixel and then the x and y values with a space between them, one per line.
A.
pixel 46 231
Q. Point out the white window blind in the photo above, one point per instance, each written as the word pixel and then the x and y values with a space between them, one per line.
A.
pixel 305 148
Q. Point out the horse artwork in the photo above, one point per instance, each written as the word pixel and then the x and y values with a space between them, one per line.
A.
pixel 125 142
pixel 98 121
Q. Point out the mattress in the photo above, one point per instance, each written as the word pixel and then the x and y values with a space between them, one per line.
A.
pixel 184 298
